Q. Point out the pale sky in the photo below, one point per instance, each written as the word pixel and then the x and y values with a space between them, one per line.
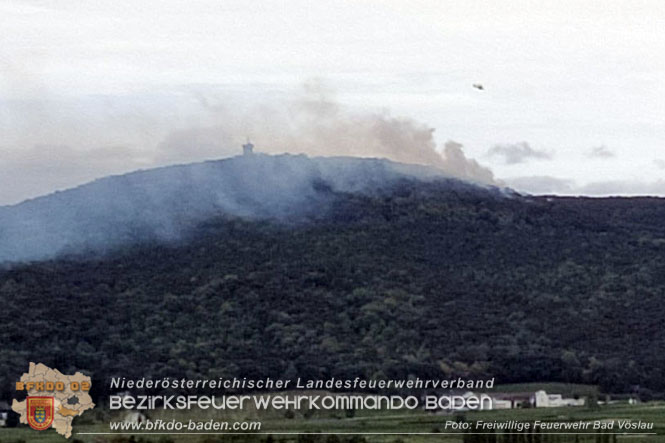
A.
pixel 574 100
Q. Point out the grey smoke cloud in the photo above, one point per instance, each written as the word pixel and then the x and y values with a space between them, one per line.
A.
pixel 166 204
pixel 316 124
pixel 602 152
pixel 66 144
pixel 517 153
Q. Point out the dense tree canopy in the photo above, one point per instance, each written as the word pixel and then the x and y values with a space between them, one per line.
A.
pixel 416 280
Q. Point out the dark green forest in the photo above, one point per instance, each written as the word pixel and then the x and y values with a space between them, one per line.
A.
pixel 417 280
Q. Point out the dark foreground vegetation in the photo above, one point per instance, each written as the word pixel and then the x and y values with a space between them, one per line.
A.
pixel 417 280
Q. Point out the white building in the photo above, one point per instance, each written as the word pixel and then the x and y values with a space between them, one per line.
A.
pixel 538 399
pixel 545 400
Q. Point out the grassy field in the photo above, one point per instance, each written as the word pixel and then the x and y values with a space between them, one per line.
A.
pixel 378 427
pixel 566 389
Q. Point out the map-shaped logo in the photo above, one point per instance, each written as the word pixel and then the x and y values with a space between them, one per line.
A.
pixel 40 412
pixel 53 399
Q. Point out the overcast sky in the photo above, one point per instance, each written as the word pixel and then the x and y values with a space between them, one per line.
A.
pixel 573 99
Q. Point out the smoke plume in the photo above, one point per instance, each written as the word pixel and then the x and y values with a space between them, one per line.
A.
pixel 78 139
pixel 164 203
pixel 315 124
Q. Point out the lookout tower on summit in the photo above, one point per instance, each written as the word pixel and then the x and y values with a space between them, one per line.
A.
pixel 248 148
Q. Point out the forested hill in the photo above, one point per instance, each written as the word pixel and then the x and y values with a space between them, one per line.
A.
pixel 163 205
pixel 422 278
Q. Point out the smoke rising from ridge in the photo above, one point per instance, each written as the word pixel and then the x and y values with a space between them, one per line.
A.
pixel 91 137
pixel 163 204
pixel 315 124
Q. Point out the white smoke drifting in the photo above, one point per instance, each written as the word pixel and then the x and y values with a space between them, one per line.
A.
pixel 315 124
pixel 164 203
pixel 53 144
